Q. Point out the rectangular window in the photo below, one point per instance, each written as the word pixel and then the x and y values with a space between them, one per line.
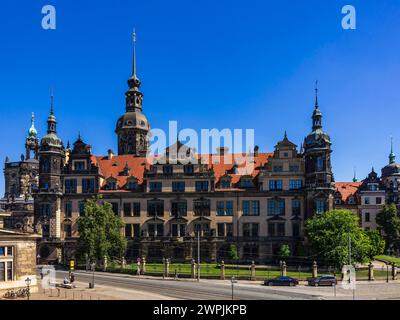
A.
pixel 70 186
pixel 271 229
pixel 320 164
pixel 2 251
pixel 155 186
pixel 378 200
pixel 127 209
pixel 68 230
pixel 295 230
pixel 201 186
pixel 276 207
pixel 128 230
pixel 221 229
pixel 155 208
pixel 366 200
pixel 68 209
pixel 87 185
pixel 179 209
pixel 275 184
pixel 229 229
pixel 277 168
pixel 136 230
pixel 246 207
pixel 201 208
pixel 320 206
pixel 281 229
pixel 250 229
pixel 367 217
pixel 295 184
pixel 136 209
pixel 296 207
pixel 178 186
pixel 294 168
pixel 81 208
pixel 2 271
pixel 9 251
pixel 224 208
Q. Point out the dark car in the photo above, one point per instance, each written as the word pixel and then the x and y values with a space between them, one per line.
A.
pixel 281 281
pixel 322 281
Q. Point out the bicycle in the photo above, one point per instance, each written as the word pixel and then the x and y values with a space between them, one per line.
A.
pixel 10 294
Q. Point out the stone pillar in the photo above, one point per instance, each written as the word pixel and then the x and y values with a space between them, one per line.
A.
pixel 143 265
pixel 123 263
pixel 105 263
pixel 222 268
pixel 193 269
pixel 371 272
pixel 394 271
pixel 253 271
pixel 166 267
pixel 283 269
pixel 314 269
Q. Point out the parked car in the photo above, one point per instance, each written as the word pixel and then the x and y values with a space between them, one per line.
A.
pixel 281 281
pixel 322 281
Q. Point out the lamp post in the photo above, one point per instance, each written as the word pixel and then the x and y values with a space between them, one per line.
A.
pixel 28 289
pixel 198 256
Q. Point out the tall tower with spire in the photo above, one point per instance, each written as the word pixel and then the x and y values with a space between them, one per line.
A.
pixel 32 141
pixel 48 197
pixel 132 127
pixel 319 179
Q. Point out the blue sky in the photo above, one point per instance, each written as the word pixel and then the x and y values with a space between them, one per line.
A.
pixel 207 64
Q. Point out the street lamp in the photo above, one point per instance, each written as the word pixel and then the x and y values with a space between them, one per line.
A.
pixel 28 282
pixel 387 272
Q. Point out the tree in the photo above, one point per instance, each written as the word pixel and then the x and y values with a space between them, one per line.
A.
pixel 329 234
pixel 100 232
pixel 284 251
pixel 377 243
pixel 389 222
pixel 232 252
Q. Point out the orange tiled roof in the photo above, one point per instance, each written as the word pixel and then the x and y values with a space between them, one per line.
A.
pixel 115 166
pixel 347 189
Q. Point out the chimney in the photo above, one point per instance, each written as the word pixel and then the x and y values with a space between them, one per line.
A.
pixel 110 154
pixel 256 148
pixel 222 150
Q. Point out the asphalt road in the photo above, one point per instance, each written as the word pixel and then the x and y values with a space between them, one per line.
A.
pixel 183 289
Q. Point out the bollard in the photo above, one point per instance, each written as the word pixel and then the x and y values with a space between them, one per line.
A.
pixel 394 271
pixel 283 269
pixel 193 269
pixel 222 269
pixel 143 265
pixel 253 271
pixel 315 269
pixel 371 271
pixel 166 267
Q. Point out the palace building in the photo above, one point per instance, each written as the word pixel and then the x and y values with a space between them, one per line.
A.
pixel 167 205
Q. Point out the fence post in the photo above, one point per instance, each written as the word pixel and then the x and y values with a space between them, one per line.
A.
pixel 222 276
pixel 193 269
pixel 283 269
pixel 394 271
pixel 143 265
pixel 123 263
pixel 253 271
pixel 105 261
pixel 371 271
pixel 314 269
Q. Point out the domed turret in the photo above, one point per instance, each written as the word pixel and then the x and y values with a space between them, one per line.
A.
pixel 32 132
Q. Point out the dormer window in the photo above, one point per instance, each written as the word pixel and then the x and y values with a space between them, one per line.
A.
pixel 338 201
pixel 188 169
pixel 373 187
pixel 225 183
pixel 132 185
pixel 246 183
pixel 167 170
pixel 351 200
pixel 111 184
pixel 79 165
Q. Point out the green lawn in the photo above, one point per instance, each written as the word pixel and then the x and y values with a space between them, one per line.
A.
pixel 389 259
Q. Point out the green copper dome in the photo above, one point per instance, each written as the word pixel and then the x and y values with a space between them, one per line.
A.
pixel 32 132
